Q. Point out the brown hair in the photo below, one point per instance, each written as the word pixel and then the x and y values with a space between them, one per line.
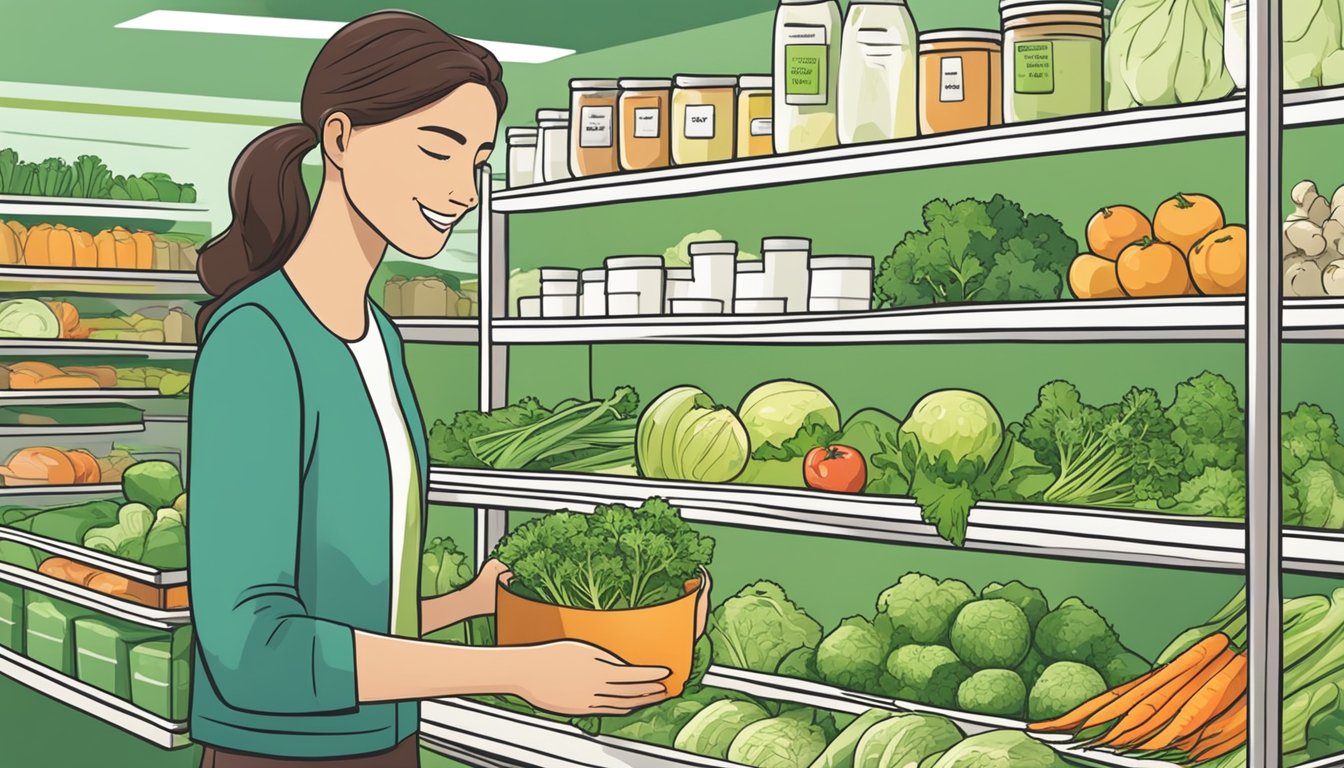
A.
pixel 374 69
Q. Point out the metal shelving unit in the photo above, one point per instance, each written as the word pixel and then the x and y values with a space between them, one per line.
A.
pixel 95 601
pixel 67 347
pixel 80 207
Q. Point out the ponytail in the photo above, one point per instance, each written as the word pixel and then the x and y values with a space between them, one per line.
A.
pixel 271 212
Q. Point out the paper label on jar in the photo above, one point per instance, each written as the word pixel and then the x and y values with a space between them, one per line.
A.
pixel 805 64
pixel 646 123
pixel 699 121
pixel 951 86
pixel 1034 67
pixel 595 126
pixel 763 126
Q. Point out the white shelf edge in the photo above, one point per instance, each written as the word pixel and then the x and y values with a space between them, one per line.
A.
pixel 95 489
pixel 128 210
pixel 95 601
pixel 1038 530
pixel 1107 130
pixel 93 702
pixel 434 330
pixel 186 282
pixel 77 396
pixel 100 560
pixel 69 347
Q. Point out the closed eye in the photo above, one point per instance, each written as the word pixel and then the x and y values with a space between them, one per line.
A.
pixel 434 155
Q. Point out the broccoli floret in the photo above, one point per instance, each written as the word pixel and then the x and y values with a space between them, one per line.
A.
pixel 1031 600
pixel 1062 687
pixel 991 634
pixel 920 609
pixel 928 674
pixel 993 692
pixel 1210 426
pixel 1075 632
pixel 1216 492
pixel 853 656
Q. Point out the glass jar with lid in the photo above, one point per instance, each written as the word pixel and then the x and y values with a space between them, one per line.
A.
pixel 592 144
pixel 960 80
pixel 755 116
pixel 806 74
pixel 1051 59
pixel 645 140
pixel 703 120
pixel 522 156
pixel 552 145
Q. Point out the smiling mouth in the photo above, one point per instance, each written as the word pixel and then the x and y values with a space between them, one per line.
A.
pixel 440 221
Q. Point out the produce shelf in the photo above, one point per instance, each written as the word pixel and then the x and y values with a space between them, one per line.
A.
pixel 76 396
pixel 40 348
pixel 121 609
pixel 100 560
pixel 1036 530
pixel 10 494
pixel 93 702
pixel 1112 130
pixel 433 330
pixel 119 282
pixel 65 430
pixel 1174 319
pixel 59 208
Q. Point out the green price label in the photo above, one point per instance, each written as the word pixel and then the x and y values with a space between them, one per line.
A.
pixel 805 71
pixel 1034 67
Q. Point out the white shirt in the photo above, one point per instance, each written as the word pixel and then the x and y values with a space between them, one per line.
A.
pixel 370 355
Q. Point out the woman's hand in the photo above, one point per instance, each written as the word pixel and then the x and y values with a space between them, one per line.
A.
pixel 479 595
pixel 577 679
pixel 702 602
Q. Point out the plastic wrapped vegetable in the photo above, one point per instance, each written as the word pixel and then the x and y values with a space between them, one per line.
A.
pixel 1166 52
pixel 28 319
pixel 1311 43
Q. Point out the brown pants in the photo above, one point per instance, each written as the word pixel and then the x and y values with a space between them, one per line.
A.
pixel 404 755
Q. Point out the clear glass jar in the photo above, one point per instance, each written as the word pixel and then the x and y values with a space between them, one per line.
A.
pixel 755 116
pixel 879 59
pixel 960 80
pixel 645 140
pixel 806 74
pixel 592 146
pixel 703 120
pixel 552 145
pixel 1051 59
pixel 522 156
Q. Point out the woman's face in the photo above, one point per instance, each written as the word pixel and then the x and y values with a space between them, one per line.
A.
pixel 412 178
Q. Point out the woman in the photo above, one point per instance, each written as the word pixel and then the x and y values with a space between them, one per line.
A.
pixel 308 455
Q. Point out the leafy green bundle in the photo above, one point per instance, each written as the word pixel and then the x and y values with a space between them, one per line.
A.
pixel 615 558
pixel 88 177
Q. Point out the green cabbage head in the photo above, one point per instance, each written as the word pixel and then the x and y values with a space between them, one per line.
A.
pixel 28 319
pixel 759 627
pixel 792 740
pixel 1000 749
pixel 713 728
pixel 685 435
pixel 1166 52
pixel 777 412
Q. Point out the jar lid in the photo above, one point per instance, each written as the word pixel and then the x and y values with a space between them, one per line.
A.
pixel 960 35
pixel 754 82
pixel 558 273
pixel 644 84
pixel 679 273
pixel 1014 9
pixel 593 275
pixel 634 262
pixel 592 85
pixel 522 141
pixel 840 262
pixel 552 124
pixel 750 265
pixel 704 81
pixel 552 114
pixel 786 244
pixel 713 248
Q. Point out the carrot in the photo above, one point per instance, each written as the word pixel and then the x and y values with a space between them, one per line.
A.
pixel 1071 720
pixel 1232 737
pixel 1195 658
pixel 1209 702
pixel 1156 710
pixel 1230 724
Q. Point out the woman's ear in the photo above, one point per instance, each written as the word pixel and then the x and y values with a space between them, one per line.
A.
pixel 336 137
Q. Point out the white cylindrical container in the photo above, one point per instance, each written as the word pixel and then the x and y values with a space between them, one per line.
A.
pixel 559 282
pixel 1234 41
pixel 623 304
pixel 713 269
pixel 529 306
pixel 697 307
pixel 593 292
pixel 759 306
pixel 552 145
pixel 848 277
pixel 522 159
pixel 560 306
pixel 786 274
pixel 806 74
pixel 749 281
pixel 643 275
pixel 680 285
pixel 879 88
pixel 838 304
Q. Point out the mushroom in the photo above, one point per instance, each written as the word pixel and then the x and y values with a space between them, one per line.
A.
pixel 1310 205
pixel 1333 278
pixel 1302 278
pixel 1304 236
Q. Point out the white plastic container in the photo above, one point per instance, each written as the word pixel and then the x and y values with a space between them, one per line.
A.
pixel 759 306
pixel 838 304
pixel 841 277
pixel 522 159
pixel 680 285
pixel 559 282
pixel 786 272
pixel 560 306
pixel 623 304
pixel 640 275
pixel 1234 41
pixel 879 60
pixel 749 282
pixel 552 145
pixel 697 307
pixel 593 293
pixel 529 306
pixel 806 74
pixel 713 268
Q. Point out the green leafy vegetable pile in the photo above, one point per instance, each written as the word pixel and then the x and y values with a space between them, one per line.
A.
pixel 87 178
pixel 615 558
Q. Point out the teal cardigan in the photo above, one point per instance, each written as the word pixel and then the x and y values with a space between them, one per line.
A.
pixel 290 537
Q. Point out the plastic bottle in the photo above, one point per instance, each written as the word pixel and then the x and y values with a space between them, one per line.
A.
pixel 806 74
pixel 879 54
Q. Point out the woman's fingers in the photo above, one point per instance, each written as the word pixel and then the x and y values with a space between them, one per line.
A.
pixel 620 673
pixel 632 690
pixel 629 702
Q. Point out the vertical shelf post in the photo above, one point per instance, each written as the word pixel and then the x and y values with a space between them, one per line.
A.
pixel 1264 567
pixel 493 268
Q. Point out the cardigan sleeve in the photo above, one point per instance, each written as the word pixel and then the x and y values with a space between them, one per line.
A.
pixel 262 650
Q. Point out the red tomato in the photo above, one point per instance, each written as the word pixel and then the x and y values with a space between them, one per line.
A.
pixel 835 468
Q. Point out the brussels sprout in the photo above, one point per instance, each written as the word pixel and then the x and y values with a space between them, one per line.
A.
pixel 1061 688
pixel 853 656
pixel 991 634
pixel 930 673
pixel 1075 632
pixel 997 692
pixel 919 609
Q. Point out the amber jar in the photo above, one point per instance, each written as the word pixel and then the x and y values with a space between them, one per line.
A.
pixel 960 80
pixel 755 116
pixel 593 126
pixel 644 120
pixel 704 119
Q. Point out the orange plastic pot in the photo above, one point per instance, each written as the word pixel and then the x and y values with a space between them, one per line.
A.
pixel 659 635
